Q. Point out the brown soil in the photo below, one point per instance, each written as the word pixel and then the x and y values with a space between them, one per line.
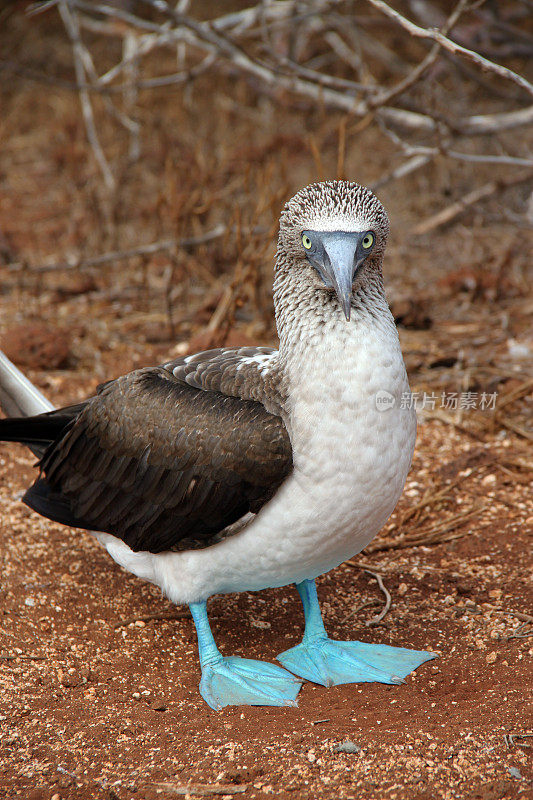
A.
pixel 92 708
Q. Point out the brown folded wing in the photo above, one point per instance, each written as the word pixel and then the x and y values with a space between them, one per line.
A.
pixel 161 464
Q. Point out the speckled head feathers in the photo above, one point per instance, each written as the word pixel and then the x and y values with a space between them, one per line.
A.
pixel 332 206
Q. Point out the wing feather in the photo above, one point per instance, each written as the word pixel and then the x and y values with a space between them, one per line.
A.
pixel 162 461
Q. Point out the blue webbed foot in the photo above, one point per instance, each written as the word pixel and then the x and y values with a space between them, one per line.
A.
pixel 323 660
pixel 237 681
pixel 328 662
pixel 242 681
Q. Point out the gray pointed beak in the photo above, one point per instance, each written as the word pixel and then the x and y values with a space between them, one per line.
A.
pixel 340 265
pixel 336 256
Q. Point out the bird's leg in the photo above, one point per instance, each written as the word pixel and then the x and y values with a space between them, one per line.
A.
pixel 323 660
pixel 238 681
pixel 314 624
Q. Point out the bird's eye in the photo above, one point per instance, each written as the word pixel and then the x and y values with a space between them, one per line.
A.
pixel 368 241
pixel 306 241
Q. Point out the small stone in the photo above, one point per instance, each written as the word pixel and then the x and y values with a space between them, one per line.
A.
pixel 514 772
pixel 140 624
pixel 402 589
pixel 347 747
pixel 495 594
pixel 491 658
pixel 70 678
pixel 55 797
pixel 311 756
pixel 136 695
pixel 488 480
pixel 449 600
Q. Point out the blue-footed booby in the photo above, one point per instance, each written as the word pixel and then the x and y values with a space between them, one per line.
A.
pixel 240 469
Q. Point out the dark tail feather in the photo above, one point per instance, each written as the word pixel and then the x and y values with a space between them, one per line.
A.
pixel 40 431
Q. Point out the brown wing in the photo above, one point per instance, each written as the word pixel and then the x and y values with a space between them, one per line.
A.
pixel 161 464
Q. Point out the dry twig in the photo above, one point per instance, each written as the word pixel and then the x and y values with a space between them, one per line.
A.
pixel 443 532
pixel 515 394
pixel 510 739
pixel 505 422
pixel 357 609
pixel 450 213
pixel 429 499
pixel 377 619
pixel 117 255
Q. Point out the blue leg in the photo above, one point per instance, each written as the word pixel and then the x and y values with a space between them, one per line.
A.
pixel 239 681
pixel 323 660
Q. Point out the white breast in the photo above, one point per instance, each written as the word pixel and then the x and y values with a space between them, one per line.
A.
pixel 351 460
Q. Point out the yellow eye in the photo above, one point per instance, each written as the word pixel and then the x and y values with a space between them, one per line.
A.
pixel 306 241
pixel 368 240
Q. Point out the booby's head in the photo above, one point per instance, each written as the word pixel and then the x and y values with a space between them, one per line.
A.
pixel 338 230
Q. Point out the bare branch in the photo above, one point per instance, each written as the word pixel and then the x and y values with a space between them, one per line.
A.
pixel 408 166
pixel 411 120
pixel 73 31
pixel 116 255
pixel 416 74
pixel 201 33
pixel 343 51
pixel 131 126
pixel 496 123
pixel 449 214
pixel 451 46
pixel 241 43
pixel 444 150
